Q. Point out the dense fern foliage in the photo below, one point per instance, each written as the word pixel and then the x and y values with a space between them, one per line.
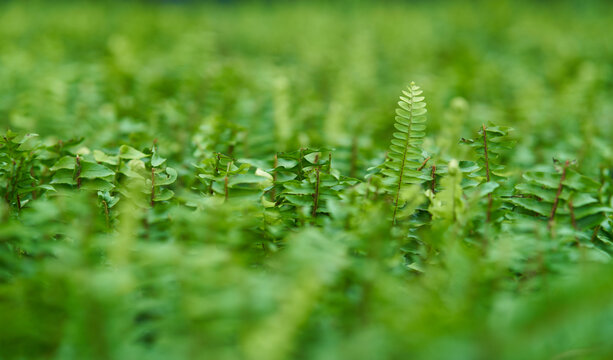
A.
pixel 191 181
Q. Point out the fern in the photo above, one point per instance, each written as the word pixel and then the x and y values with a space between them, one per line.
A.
pixel 305 182
pixel 489 146
pixel 404 164
pixel 562 197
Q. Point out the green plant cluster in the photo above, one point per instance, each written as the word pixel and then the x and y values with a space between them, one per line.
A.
pixel 190 182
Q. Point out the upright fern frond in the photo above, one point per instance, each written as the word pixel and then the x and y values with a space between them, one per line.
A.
pixel 489 146
pixel 404 165
pixel 491 143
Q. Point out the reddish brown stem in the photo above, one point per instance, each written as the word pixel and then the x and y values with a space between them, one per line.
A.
pixel 300 164
pixel 78 174
pixel 316 195
pixel 433 184
pixel 217 162
pixel 106 213
pixel 329 162
pixel 423 164
pixel 487 161
pixel 487 174
pixel 557 198
pixel 216 172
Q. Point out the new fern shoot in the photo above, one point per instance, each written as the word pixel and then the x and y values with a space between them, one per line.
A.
pixel 406 156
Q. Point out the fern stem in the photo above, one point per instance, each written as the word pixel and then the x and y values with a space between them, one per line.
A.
pixel 300 164
pixel 106 213
pixel 316 195
pixel 78 172
pixel 217 161
pixel 485 153
pixel 487 174
pixel 404 158
pixel 423 164
pixel 433 184
pixel 557 198
pixel 16 179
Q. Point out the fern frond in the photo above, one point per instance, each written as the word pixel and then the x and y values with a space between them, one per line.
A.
pixel 562 197
pixel 404 165
pixel 493 141
pixel 489 146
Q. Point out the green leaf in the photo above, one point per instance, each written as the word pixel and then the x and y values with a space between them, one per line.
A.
pixel 64 176
pixel 92 171
pixel 539 207
pixel 157 160
pixel 128 152
pixel 101 157
pixel 163 194
pixel 168 177
pixel 96 185
pixel 66 162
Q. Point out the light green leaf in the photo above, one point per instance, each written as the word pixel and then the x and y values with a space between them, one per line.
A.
pixel 128 152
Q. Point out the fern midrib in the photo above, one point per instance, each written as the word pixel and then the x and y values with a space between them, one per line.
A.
pixel 487 175
pixel 404 158
pixel 486 155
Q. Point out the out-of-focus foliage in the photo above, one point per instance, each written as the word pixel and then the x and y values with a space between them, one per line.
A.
pixel 193 181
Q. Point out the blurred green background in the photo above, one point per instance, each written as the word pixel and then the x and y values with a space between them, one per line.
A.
pixel 260 77
pixel 332 69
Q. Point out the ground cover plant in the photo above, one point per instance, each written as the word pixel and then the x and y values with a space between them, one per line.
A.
pixel 246 180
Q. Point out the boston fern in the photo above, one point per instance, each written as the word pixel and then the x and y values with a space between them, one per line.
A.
pixel 285 239
pixel 489 146
pixel 405 160
pixel 563 198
